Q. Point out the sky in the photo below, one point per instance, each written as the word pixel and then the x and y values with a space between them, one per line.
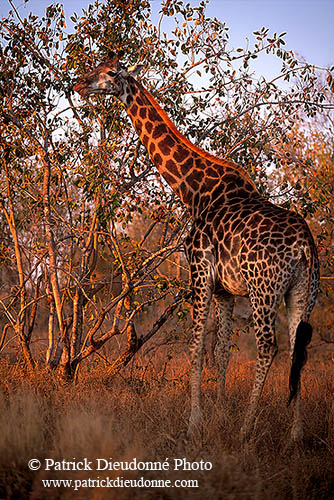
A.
pixel 308 23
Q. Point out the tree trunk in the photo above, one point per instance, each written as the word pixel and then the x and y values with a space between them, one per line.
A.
pixel 53 271
pixel 20 323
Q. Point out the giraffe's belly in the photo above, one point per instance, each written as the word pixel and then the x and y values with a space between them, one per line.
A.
pixel 230 279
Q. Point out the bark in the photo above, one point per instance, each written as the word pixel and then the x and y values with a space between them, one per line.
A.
pixel 53 271
pixel 4 334
pixel 20 323
pixel 51 322
pixel 76 335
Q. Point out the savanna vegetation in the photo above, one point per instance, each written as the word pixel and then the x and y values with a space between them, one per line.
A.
pixel 94 287
pixel 144 413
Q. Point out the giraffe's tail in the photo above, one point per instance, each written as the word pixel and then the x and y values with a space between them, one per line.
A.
pixel 299 357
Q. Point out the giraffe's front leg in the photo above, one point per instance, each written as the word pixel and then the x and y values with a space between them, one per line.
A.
pixel 201 304
pixel 224 310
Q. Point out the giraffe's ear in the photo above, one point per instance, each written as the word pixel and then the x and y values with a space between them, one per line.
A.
pixel 113 59
pixel 135 70
pixel 111 55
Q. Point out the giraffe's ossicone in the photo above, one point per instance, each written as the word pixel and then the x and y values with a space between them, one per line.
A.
pixel 240 243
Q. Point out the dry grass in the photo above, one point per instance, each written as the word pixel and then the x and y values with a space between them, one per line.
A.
pixel 144 413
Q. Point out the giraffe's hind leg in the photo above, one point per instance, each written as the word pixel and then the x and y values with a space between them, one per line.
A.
pixel 264 317
pixel 224 303
pixel 299 307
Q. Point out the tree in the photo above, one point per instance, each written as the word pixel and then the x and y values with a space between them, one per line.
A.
pixel 75 180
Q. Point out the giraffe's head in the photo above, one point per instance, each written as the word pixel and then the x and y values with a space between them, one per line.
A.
pixel 108 78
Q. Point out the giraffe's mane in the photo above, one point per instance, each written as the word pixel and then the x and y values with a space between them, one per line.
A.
pixel 190 145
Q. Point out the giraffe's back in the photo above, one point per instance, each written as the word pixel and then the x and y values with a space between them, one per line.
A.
pixel 254 244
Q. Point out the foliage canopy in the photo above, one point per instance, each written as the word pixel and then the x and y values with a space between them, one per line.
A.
pixel 88 229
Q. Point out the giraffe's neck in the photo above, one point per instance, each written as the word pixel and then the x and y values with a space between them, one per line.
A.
pixel 198 177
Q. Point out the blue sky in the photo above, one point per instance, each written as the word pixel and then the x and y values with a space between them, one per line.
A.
pixel 308 23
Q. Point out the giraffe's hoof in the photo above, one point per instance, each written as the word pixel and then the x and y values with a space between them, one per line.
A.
pixel 195 423
pixel 246 432
pixel 220 395
pixel 297 434
pixel 244 435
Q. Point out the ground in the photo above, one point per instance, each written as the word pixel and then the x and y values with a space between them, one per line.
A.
pixel 142 414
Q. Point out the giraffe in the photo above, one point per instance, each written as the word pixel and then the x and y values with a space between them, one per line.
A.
pixel 240 244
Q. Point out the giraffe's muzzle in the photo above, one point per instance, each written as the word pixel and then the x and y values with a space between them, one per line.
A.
pixel 81 89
